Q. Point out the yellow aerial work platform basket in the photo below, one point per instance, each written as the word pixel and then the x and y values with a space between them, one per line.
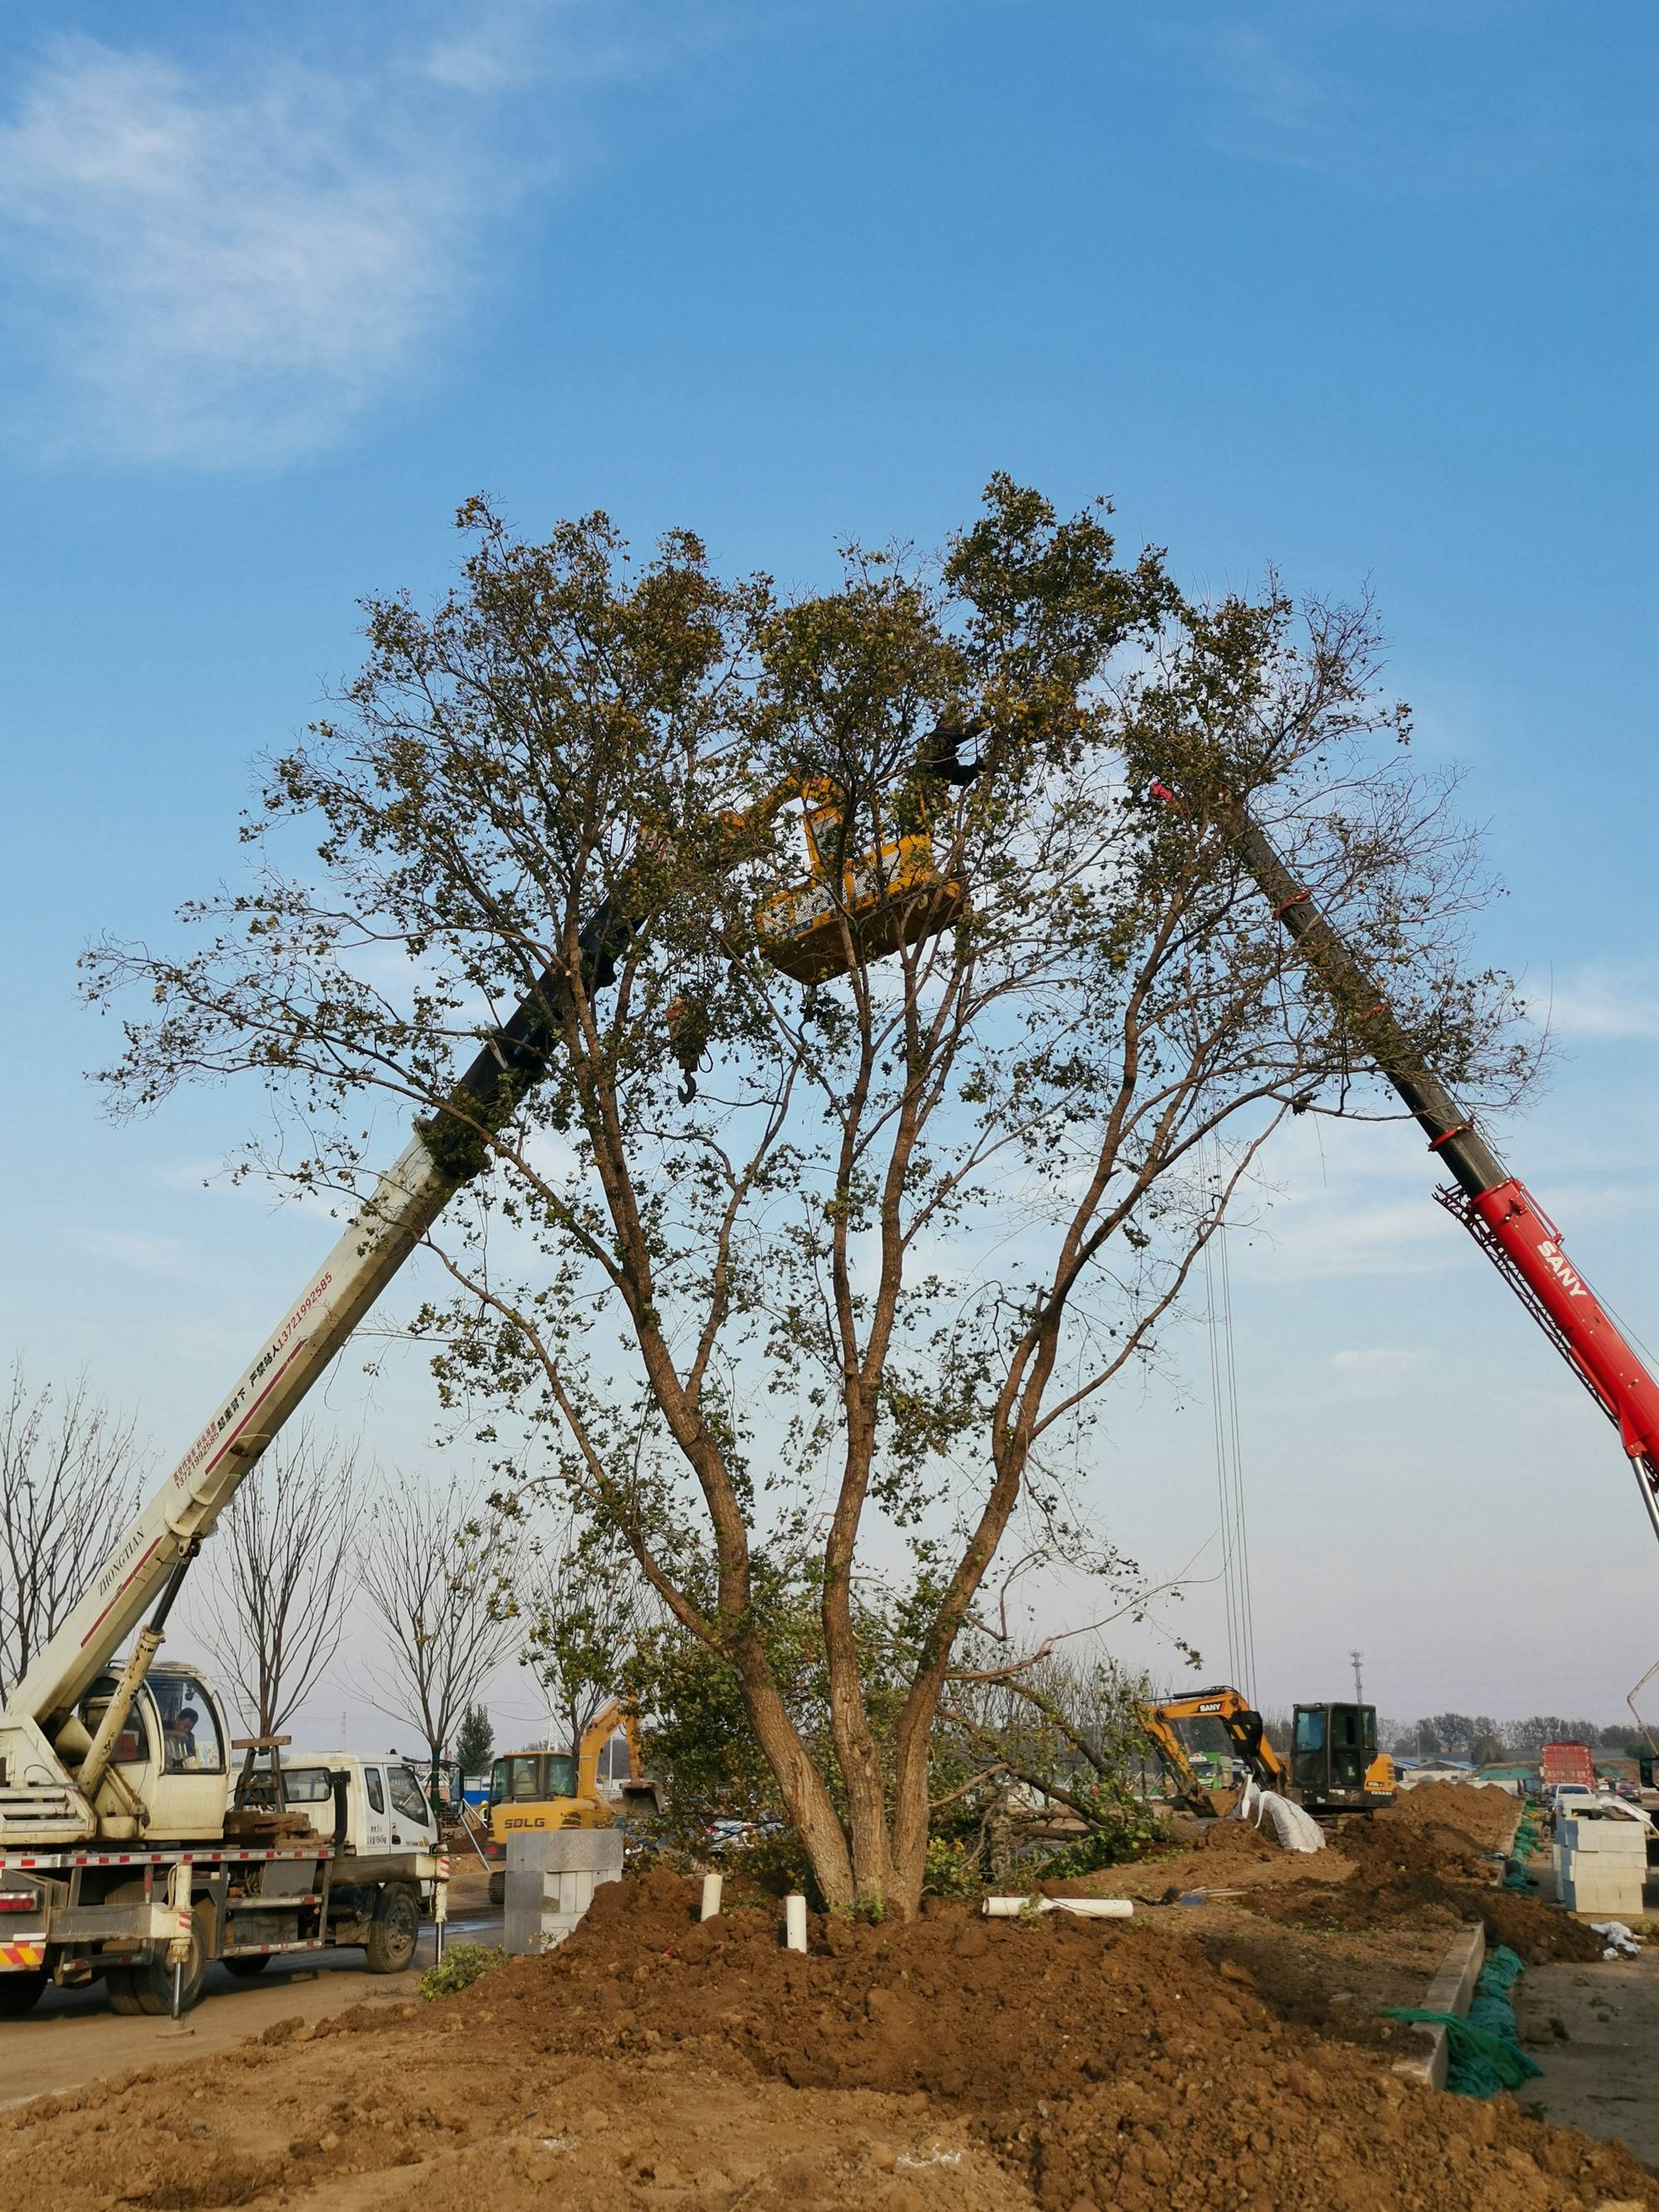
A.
pixel 893 895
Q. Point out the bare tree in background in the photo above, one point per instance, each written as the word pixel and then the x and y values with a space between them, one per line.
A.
pixel 439 1576
pixel 68 1484
pixel 274 1606
pixel 581 1603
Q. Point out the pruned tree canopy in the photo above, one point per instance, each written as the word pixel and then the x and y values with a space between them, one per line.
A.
pixel 986 1036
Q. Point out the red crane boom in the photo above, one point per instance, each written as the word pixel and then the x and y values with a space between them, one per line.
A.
pixel 1496 1207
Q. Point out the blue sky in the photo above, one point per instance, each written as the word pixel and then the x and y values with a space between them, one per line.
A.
pixel 1363 291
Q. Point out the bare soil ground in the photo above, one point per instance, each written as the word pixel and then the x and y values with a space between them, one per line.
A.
pixel 1174 2062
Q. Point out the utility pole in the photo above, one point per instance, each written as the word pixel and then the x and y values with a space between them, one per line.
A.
pixel 1359 1680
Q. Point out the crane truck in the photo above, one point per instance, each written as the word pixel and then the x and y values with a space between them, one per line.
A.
pixel 115 1858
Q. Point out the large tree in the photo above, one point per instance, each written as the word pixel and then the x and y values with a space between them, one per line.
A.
pixel 870 1289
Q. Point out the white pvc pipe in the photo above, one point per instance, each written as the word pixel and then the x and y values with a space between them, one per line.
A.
pixel 711 1886
pixel 794 1920
pixel 1086 1908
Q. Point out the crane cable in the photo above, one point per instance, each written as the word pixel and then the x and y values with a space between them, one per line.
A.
pixel 1228 1462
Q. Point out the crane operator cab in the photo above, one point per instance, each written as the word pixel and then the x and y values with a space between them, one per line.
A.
pixel 1335 1766
pixel 171 1754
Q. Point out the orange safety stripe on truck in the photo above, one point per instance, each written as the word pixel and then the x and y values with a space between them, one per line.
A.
pixel 22 1954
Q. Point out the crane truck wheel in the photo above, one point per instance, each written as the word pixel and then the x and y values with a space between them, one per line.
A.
pixel 498 1889
pixel 394 1931
pixel 148 1988
pixel 20 1988
pixel 250 1963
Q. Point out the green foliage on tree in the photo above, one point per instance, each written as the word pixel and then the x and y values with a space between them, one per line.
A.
pixel 1024 1744
pixel 867 1292
pixel 475 1741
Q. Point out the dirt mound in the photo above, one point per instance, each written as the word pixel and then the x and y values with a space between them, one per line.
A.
pixel 400 2116
pixel 1112 2062
pixel 1382 1847
pixel 1428 1858
pixel 1238 1839
pixel 1370 1898
pixel 1480 1811
pixel 950 2065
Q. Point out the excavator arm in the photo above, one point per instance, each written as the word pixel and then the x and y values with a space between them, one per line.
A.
pixel 1245 1730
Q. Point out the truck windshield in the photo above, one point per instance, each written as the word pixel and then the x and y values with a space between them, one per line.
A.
pixel 406 1794
pixel 130 1745
pixel 189 1725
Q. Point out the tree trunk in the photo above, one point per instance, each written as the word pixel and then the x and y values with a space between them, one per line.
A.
pixel 811 1813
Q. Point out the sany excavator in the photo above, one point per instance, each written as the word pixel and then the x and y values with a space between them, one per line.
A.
pixel 1335 1766
pixel 114 1787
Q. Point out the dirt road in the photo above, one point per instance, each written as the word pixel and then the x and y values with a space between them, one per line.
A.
pixel 72 2036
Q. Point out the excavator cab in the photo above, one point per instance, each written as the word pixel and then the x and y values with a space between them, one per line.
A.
pixel 1335 1763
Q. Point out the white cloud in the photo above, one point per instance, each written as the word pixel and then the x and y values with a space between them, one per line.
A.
pixel 147 1255
pixel 1605 1004
pixel 223 263
pixel 1378 1371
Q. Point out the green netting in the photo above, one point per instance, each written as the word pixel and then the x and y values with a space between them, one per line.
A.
pixel 1501 1971
pixel 1480 2063
pixel 1526 1838
pixel 1495 2013
pixel 1485 2054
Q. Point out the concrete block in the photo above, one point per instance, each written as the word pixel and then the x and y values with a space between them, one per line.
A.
pixel 1616 1898
pixel 1451 1991
pixel 1612 1838
pixel 568 1850
pixel 551 1875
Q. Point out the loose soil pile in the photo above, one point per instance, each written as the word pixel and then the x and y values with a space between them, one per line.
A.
pixel 955 2063
pixel 1111 2064
pixel 1482 1812
pixel 1427 1858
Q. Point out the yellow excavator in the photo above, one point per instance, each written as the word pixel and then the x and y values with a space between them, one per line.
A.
pixel 604 1782
pixel 1334 1766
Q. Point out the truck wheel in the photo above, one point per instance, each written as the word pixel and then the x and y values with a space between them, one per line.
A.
pixel 394 1931
pixel 20 1988
pixel 152 1982
pixel 250 1963
pixel 118 1990
pixel 498 1889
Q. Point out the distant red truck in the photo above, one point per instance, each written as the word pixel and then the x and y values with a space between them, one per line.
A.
pixel 1566 1762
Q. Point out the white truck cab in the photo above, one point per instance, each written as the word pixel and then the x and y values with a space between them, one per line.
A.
pixel 385 1802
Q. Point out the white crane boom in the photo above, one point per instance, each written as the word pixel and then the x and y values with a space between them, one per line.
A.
pixel 406 1201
